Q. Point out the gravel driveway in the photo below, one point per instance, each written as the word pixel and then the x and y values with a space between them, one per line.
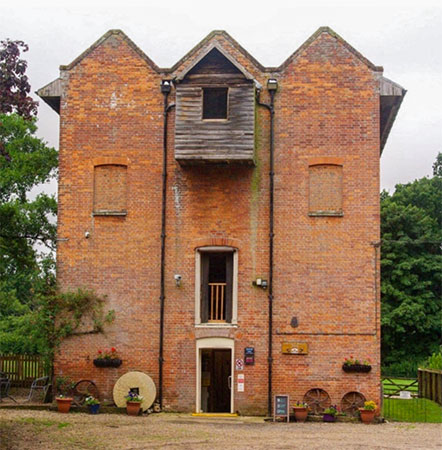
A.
pixel 50 430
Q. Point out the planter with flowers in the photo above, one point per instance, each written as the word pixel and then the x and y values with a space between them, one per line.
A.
pixel 301 411
pixel 367 412
pixel 133 403
pixel 355 365
pixel 330 413
pixel 93 404
pixel 63 403
pixel 107 358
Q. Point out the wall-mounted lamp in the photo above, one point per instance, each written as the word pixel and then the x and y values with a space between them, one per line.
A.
pixel 272 84
pixel 166 86
pixel 259 282
pixel 177 280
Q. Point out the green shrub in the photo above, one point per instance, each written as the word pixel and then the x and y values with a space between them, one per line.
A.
pixel 434 362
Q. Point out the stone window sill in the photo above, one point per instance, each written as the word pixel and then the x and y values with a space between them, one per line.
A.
pixel 216 325
pixel 109 213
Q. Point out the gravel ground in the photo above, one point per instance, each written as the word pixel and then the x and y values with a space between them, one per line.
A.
pixel 35 430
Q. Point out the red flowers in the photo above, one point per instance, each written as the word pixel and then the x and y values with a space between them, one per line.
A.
pixel 108 354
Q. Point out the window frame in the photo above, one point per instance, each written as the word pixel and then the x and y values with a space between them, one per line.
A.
pixel 218 119
pixel 215 249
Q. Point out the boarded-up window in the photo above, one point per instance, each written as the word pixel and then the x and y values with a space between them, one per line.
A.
pixel 110 188
pixel 325 190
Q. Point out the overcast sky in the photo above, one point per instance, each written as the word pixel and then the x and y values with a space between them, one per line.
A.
pixel 405 37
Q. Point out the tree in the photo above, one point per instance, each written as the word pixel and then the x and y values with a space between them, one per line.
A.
pixel 14 84
pixel 27 228
pixel 411 271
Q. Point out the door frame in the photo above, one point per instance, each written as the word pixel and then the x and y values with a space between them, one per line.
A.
pixel 213 343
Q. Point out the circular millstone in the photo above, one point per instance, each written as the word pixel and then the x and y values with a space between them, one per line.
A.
pixel 135 380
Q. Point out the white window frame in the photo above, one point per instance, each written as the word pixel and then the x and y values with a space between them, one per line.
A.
pixel 214 249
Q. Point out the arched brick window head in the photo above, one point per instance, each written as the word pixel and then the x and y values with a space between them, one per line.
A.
pixel 110 189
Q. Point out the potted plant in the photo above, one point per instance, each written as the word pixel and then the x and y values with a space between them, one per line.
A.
pixel 330 413
pixel 63 403
pixel 301 411
pixel 355 365
pixel 93 404
pixel 64 399
pixel 367 412
pixel 133 403
pixel 108 358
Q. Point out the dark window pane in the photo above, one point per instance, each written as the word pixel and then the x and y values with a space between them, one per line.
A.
pixel 215 103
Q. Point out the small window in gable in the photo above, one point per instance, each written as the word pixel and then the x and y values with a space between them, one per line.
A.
pixel 110 189
pixel 215 103
pixel 325 190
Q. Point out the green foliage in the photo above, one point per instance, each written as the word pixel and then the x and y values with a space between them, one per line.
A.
pixel 27 229
pixel 60 315
pixel 434 362
pixel 411 271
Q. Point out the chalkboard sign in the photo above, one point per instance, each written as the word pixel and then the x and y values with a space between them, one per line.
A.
pixel 281 408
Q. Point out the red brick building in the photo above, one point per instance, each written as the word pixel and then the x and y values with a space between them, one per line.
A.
pixel 248 232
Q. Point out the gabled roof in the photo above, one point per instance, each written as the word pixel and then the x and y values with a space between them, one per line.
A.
pixel 102 40
pixel 342 41
pixel 204 52
pixel 213 37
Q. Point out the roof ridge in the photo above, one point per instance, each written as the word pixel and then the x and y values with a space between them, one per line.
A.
pixel 102 39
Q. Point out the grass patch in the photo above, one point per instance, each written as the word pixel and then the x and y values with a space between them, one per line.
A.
pixel 414 410
pixel 41 423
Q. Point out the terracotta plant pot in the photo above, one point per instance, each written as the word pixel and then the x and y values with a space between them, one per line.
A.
pixel 367 416
pixel 133 408
pixel 328 418
pixel 64 404
pixel 300 413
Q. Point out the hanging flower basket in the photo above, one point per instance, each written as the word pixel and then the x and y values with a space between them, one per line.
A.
pixel 116 362
pixel 356 368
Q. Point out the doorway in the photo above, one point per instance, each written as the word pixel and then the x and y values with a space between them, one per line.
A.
pixel 216 380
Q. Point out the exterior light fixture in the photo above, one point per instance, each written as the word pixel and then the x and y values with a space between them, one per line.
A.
pixel 272 84
pixel 166 86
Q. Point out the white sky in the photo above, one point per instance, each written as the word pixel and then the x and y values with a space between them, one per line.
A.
pixel 404 37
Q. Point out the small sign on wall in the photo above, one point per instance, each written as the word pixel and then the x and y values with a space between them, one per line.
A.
pixel 249 356
pixel 240 382
pixel 239 364
pixel 295 348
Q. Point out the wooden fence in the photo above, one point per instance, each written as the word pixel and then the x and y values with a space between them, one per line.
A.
pixel 22 369
pixel 430 384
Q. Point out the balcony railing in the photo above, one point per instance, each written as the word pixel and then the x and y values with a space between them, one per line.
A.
pixel 217 297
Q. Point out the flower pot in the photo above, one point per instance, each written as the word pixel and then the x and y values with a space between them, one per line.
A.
pixel 133 408
pixel 101 362
pixel 64 404
pixel 328 418
pixel 300 413
pixel 367 415
pixel 93 409
pixel 356 368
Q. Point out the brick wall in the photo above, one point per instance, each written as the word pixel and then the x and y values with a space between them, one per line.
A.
pixel 327 109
